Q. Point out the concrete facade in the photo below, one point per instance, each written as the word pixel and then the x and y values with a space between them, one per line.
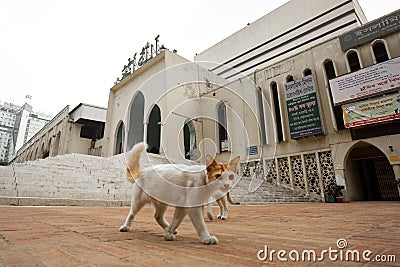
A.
pixel 296 46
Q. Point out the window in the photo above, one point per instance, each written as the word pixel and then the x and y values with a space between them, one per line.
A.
pixel 380 52
pixel 353 61
pixel 337 110
pixel 289 79
pixel 261 116
pixel 307 72
pixel 278 118
pixel 222 128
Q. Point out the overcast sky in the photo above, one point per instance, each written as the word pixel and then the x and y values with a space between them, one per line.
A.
pixel 64 52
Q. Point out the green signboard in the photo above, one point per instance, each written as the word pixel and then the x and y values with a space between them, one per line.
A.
pixel 303 110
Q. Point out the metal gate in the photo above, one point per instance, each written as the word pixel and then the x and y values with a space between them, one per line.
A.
pixel 385 175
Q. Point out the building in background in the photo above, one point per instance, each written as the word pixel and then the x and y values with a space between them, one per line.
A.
pixel 7 121
pixel 78 131
pixel 36 122
pixel 17 125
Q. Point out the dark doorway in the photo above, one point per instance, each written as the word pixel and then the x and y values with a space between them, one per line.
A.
pixel 119 141
pixel 370 175
pixel 136 127
pixel 154 131
pixel 189 140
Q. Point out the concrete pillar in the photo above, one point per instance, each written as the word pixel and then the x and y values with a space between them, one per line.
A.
pixel 340 180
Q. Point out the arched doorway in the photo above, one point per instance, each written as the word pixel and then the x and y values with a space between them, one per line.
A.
pixel 57 144
pixel 222 127
pixel 42 152
pixel 47 150
pixel 189 139
pixel 369 175
pixel 154 131
pixel 119 139
pixel 136 114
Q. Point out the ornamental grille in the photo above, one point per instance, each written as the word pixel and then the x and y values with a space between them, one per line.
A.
pixel 297 170
pixel 283 165
pixel 270 169
pixel 327 172
pixel 312 173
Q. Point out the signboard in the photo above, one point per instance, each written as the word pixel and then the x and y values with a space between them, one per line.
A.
pixel 376 79
pixel 380 109
pixel 252 150
pixel 371 31
pixel 224 145
pixel 303 109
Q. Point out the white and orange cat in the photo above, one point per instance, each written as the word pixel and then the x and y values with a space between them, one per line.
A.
pixel 185 187
pixel 221 198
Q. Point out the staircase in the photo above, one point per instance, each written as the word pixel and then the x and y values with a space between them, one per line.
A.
pixel 267 192
pixel 83 180
pixel 72 179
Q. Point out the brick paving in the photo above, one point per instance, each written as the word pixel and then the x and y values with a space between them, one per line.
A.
pixel 82 236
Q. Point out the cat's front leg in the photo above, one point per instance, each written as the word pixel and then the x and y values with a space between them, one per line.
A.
pixel 197 218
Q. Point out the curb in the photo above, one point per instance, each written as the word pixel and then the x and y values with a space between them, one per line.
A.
pixel 34 201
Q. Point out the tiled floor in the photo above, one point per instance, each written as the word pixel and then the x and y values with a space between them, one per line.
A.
pixel 81 236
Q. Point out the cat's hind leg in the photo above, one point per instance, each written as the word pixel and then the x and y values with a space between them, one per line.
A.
pixel 210 215
pixel 197 218
pixel 170 231
pixel 223 208
pixel 159 214
pixel 137 204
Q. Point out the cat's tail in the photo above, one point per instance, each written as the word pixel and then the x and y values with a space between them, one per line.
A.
pixel 228 196
pixel 133 162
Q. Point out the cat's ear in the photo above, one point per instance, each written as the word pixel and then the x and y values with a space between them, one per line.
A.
pixel 210 161
pixel 234 162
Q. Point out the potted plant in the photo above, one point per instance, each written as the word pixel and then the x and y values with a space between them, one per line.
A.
pixel 330 195
pixel 338 192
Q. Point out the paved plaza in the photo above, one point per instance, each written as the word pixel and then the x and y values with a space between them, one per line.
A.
pixel 82 236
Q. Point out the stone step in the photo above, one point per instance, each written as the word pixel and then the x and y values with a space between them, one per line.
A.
pixel 77 176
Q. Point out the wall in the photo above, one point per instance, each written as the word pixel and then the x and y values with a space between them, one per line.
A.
pixel 276 35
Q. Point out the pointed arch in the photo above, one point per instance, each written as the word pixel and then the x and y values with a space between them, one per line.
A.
pixel 330 73
pixel 369 174
pixel 154 130
pixel 307 72
pixel 277 111
pixel 189 139
pixel 222 127
pixel 57 144
pixel 353 61
pixel 119 138
pixel 260 104
pixel 136 115
pixel 380 51
pixel 289 78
